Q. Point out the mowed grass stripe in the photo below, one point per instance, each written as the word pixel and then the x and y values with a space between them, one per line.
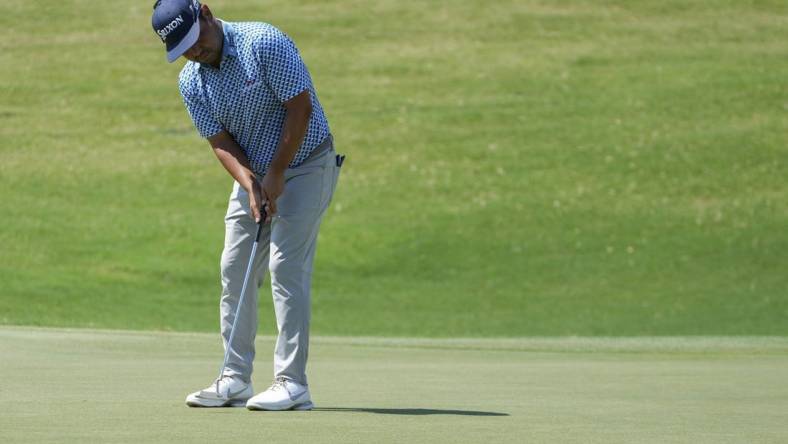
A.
pixel 645 344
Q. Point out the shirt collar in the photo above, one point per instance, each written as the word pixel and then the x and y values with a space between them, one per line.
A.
pixel 228 48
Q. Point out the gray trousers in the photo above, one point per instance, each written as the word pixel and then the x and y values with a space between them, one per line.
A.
pixel 286 250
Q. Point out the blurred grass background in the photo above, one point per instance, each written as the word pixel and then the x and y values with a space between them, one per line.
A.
pixel 514 168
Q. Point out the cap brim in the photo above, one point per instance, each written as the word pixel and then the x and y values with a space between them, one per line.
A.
pixel 186 43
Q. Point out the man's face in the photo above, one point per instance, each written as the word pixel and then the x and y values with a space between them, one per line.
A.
pixel 208 47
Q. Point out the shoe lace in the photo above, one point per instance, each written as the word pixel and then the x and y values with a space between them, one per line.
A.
pixel 278 383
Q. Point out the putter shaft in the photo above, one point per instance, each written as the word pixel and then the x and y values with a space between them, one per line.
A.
pixel 241 297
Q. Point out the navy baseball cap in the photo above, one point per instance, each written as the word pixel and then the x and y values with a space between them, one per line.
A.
pixel 177 23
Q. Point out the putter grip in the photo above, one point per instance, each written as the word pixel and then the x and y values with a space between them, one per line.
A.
pixel 263 215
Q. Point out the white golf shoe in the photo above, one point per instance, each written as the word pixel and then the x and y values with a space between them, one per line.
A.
pixel 282 395
pixel 232 392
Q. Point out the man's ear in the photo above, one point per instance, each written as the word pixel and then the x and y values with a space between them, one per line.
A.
pixel 205 11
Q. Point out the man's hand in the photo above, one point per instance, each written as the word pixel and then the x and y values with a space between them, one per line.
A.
pixel 256 200
pixel 272 187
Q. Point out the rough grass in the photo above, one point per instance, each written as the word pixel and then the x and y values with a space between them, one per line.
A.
pixel 515 168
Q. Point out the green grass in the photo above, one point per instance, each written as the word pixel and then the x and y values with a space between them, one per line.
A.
pixel 109 386
pixel 515 168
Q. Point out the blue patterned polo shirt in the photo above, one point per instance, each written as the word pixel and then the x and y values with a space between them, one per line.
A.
pixel 260 69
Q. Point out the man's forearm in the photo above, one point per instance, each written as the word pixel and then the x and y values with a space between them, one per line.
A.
pixel 299 110
pixel 233 159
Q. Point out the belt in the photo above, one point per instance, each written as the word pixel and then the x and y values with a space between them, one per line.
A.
pixel 324 146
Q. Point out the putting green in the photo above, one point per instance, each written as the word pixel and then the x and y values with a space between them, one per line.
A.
pixel 109 386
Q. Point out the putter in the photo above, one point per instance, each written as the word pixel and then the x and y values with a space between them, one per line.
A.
pixel 241 298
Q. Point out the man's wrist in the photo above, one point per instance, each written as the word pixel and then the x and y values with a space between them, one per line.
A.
pixel 249 181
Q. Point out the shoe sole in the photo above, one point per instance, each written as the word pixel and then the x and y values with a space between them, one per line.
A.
pixel 308 405
pixel 219 404
pixel 305 406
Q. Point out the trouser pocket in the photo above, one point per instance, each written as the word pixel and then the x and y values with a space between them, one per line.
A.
pixel 331 176
pixel 338 161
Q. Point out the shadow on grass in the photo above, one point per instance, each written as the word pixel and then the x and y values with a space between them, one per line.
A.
pixel 416 412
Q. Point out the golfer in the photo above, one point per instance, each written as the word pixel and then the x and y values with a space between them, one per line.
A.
pixel 250 95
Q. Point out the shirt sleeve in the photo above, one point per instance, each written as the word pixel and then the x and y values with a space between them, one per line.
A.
pixel 201 115
pixel 285 71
